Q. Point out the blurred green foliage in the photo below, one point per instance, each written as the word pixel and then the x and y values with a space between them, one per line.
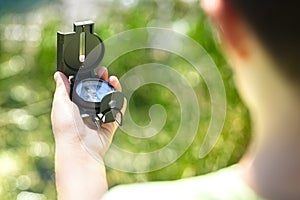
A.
pixel 27 64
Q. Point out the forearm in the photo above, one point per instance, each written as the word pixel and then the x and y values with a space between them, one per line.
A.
pixel 78 174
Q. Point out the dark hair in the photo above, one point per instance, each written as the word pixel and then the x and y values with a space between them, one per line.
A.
pixel 277 26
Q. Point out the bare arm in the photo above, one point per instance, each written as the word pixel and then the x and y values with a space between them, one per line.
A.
pixel 79 168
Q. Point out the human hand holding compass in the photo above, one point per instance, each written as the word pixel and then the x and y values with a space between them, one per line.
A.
pixel 86 111
pixel 86 102
pixel 79 148
pixel 70 128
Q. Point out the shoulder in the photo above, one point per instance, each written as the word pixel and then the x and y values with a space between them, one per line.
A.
pixel 224 184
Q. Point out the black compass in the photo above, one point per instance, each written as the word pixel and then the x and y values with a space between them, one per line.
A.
pixel 78 55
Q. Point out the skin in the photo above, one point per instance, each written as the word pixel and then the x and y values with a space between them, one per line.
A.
pixel 271 165
pixel 74 162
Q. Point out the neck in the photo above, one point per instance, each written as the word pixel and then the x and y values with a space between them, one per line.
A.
pixel 272 165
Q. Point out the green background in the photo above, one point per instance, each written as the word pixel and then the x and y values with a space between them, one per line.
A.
pixel 27 64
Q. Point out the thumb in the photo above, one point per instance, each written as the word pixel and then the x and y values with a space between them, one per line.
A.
pixel 62 86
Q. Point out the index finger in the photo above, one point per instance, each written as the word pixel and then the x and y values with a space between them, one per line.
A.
pixel 103 73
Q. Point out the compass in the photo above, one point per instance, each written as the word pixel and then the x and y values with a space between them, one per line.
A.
pixel 79 53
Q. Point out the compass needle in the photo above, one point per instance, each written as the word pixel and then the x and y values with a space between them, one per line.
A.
pixel 82 47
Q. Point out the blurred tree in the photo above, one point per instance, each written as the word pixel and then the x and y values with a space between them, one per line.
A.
pixel 28 61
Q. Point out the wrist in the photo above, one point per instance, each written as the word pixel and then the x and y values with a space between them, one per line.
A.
pixel 79 175
pixel 84 141
pixel 76 151
pixel 68 136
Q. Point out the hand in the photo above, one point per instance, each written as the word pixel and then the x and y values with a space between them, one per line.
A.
pixel 68 126
pixel 79 149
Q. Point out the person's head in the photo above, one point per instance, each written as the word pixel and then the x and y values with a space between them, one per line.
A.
pixel 261 39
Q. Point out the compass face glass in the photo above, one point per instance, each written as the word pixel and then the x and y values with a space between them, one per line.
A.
pixel 93 90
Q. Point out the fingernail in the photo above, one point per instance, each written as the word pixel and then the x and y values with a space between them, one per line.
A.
pixel 55 76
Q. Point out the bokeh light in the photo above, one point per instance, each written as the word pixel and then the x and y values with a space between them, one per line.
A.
pixel 27 64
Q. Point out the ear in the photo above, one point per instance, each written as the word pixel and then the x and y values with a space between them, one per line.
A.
pixel 231 26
